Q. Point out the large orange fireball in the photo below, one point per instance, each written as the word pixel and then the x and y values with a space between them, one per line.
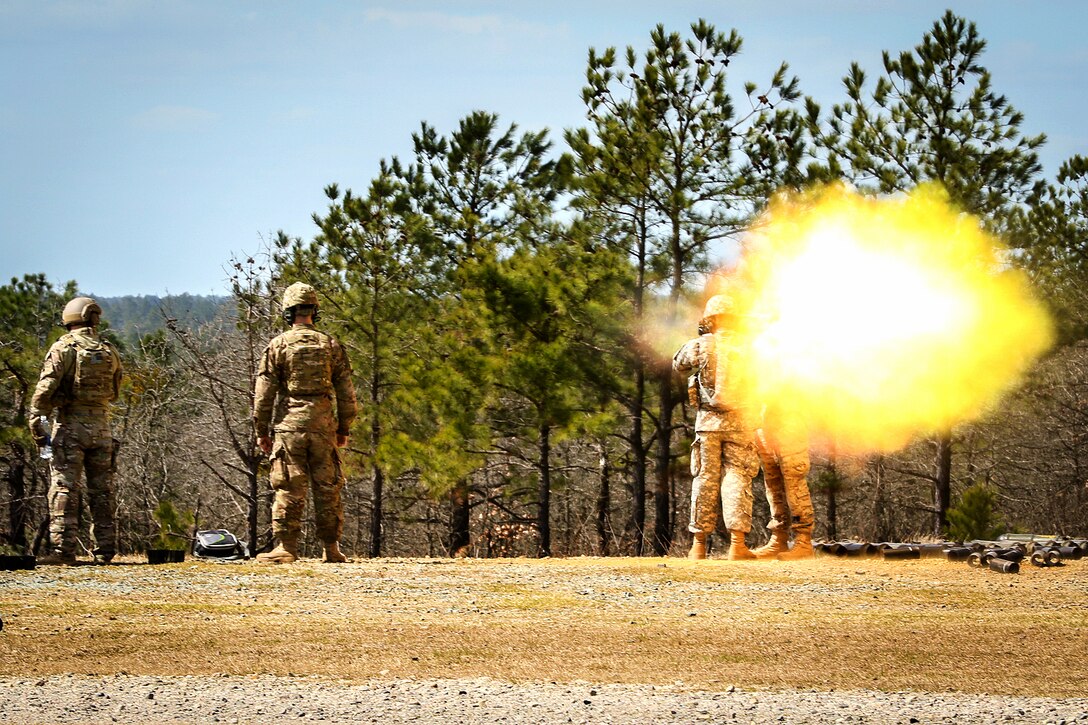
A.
pixel 881 318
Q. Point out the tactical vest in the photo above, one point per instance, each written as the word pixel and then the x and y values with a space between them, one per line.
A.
pixel 92 379
pixel 308 358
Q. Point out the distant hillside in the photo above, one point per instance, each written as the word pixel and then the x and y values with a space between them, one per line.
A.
pixel 133 316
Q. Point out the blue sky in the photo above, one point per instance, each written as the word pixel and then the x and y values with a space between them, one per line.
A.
pixel 143 142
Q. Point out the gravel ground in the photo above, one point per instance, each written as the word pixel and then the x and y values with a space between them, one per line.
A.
pixel 141 699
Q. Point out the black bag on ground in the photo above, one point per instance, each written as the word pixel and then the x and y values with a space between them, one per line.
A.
pixel 219 544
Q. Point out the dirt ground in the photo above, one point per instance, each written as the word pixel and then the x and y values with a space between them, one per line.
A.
pixel 827 625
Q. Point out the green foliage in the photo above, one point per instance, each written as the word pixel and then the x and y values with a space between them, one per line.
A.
pixel 174 527
pixel 29 324
pixel 1052 236
pixel 934 116
pixel 674 154
pixel 973 516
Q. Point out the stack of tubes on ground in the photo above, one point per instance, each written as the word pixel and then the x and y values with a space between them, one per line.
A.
pixel 1003 555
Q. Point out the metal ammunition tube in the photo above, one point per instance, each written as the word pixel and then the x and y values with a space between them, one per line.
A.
pixel 957 553
pixel 1005 566
pixel 1070 552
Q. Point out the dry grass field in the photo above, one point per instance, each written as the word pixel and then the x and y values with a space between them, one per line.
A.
pixel 830 623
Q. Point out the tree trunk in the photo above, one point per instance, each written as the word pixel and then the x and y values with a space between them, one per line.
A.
pixel 604 500
pixel 375 432
pixel 942 485
pixel 459 519
pixel 662 494
pixel 543 520
pixel 18 513
pixel 379 476
pixel 637 524
pixel 832 513
pixel 252 511
pixel 880 501
pixel 376 514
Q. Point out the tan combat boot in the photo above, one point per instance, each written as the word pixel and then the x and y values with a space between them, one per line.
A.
pixel 801 549
pixel 285 553
pixel 779 542
pixel 698 545
pixel 738 550
pixel 333 555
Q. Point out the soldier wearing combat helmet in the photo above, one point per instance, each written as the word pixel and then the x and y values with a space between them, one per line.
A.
pixel 81 376
pixel 723 457
pixel 301 374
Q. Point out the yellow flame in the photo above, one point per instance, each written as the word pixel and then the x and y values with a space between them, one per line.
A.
pixel 877 319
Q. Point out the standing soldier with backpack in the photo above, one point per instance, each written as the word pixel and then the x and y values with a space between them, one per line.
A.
pixel 723 456
pixel 81 376
pixel 301 372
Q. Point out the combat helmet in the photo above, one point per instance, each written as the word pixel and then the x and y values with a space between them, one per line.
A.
pixel 298 294
pixel 718 305
pixel 81 310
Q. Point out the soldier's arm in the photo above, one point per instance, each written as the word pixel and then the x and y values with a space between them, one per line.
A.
pixel 118 373
pixel 265 390
pixel 58 363
pixel 346 406
pixel 689 357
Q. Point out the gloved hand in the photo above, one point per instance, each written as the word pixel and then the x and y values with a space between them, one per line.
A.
pixel 39 432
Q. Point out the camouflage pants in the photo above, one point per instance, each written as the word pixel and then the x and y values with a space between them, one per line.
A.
pixel 301 461
pixel 82 444
pixel 785 476
pixel 722 468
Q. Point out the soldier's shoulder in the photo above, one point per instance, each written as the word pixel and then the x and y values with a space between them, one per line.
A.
pixel 694 344
pixel 65 342
pixel 279 340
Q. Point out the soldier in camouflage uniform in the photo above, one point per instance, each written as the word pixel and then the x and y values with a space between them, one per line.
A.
pixel 81 376
pixel 782 443
pixel 300 374
pixel 723 456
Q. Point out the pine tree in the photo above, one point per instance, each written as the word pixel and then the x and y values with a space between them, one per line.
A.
pixel 1052 236
pixel 933 116
pixel 973 515
pixel 479 191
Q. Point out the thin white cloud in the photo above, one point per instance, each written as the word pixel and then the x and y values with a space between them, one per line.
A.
pixel 174 118
pixel 463 24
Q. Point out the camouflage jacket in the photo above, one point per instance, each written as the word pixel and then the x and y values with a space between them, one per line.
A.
pixel 300 373
pixel 709 359
pixel 81 371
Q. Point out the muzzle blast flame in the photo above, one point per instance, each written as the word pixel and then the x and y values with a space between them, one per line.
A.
pixel 878 319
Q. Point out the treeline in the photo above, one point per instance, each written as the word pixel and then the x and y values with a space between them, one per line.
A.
pixel 134 316
pixel 511 307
